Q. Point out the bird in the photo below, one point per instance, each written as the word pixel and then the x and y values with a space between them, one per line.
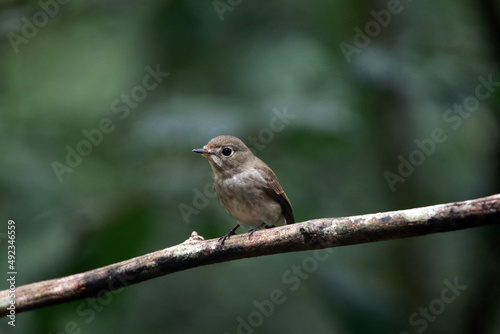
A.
pixel 246 186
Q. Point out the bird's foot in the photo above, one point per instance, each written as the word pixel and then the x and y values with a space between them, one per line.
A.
pixel 263 225
pixel 223 238
pixel 230 233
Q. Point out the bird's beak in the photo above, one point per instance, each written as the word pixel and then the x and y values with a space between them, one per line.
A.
pixel 203 151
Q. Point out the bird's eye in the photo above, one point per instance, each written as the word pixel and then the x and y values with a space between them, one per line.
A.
pixel 227 151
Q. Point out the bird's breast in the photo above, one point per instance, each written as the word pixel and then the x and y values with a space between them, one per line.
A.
pixel 245 198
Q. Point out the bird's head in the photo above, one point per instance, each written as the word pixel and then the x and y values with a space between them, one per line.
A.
pixel 227 155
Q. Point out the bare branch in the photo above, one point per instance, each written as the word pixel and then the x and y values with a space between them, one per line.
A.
pixel 308 235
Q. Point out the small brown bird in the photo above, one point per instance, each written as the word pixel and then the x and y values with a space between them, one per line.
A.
pixel 246 187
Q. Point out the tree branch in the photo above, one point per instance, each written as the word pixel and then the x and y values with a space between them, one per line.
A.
pixel 308 235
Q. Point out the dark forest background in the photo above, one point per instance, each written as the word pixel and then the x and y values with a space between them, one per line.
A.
pixel 358 106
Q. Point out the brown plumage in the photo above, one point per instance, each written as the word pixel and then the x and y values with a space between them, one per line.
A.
pixel 246 187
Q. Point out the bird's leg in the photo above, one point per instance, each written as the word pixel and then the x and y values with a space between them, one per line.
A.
pixel 230 233
pixel 261 226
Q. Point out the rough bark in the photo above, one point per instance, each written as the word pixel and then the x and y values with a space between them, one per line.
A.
pixel 307 235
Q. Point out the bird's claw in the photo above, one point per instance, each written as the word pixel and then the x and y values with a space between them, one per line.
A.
pixel 223 238
pixel 263 225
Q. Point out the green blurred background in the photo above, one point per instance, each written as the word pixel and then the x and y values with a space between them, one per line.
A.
pixel 233 66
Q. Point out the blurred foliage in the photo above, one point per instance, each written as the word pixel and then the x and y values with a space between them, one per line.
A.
pixel 233 73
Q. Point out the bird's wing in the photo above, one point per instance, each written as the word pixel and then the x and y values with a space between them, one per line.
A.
pixel 276 191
